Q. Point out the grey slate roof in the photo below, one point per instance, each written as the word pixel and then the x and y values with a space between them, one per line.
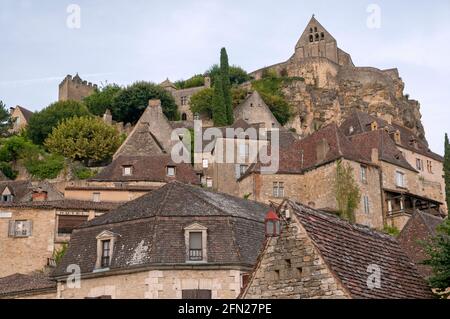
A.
pixel 349 250
pixel 23 284
pixel 151 230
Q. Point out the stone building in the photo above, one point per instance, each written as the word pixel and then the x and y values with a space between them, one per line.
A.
pixel 420 228
pixel 20 117
pixel 33 286
pixel 177 242
pixel 74 88
pixel 319 256
pixel 183 96
pixel 255 111
pixel 307 173
pixel 412 175
pixel 152 134
pixel 27 191
pixel 226 153
pixel 130 177
pixel 325 86
pixel 30 232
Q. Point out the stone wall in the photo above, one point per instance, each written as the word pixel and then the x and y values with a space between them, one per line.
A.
pixel 25 255
pixel 292 268
pixel 76 90
pixel 315 188
pixel 158 284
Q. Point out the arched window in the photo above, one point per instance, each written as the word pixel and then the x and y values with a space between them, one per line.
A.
pixel 315 29
pixel 311 30
pixel 317 37
pixel 311 38
pixel 322 35
pixel 184 117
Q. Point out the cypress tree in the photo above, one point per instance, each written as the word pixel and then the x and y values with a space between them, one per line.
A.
pixel 226 85
pixel 219 108
pixel 447 170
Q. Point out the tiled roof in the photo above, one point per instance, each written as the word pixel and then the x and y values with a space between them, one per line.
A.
pixel 23 190
pixel 380 140
pixel 360 122
pixel 27 114
pixel 350 249
pixel 141 142
pixel 18 188
pixel 21 284
pixel 64 204
pixel 147 169
pixel 151 230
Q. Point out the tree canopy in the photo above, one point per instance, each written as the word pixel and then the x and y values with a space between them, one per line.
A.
pixel 5 120
pixel 347 192
pixel 195 81
pixel 130 103
pixel 202 102
pixel 84 139
pixel 42 123
pixel 438 250
pixel 102 99
pixel 237 74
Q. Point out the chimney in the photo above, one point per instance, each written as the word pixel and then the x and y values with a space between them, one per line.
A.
pixel 39 195
pixel 375 156
pixel 154 103
pixel 322 149
pixel 207 82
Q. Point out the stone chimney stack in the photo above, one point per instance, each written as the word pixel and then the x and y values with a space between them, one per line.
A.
pixel 207 82
pixel 375 157
pixel 39 195
pixel 154 103
pixel 107 117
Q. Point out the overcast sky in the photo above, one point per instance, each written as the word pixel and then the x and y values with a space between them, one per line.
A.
pixel 124 41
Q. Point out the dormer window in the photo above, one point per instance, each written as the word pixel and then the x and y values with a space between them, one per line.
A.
pixel 105 248
pixel 7 196
pixel 397 137
pixel 374 126
pixel 127 171
pixel 106 253
pixel 171 171
pixel 196 243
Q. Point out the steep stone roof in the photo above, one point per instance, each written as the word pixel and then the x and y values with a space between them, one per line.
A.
pixel 151 231
pixel 63 204
pixel 380 140
pixel 360 122
pixel 303 155
pixel 147 169
pixel 23 190
pixel 27 114
pixel 419 228
pixel 350 249
pixel 26 284
pixel 141 142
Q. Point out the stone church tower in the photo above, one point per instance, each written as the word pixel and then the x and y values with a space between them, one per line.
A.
pixel 74 88
pixel 316 41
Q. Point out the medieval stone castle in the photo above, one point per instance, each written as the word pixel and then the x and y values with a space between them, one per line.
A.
pixel 147 227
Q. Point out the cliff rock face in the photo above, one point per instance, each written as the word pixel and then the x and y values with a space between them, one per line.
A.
pixel 333 86
pixel 373 91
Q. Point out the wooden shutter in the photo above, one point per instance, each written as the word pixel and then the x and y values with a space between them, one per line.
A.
pixel 12 228
pixel 29 226
pixel 197 294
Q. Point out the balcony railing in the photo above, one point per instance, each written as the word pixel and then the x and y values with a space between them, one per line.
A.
pixel 195 254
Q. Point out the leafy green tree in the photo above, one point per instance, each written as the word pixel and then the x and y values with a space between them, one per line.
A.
pixel 84 139
pixel 42 123
pixel 45 166
pixel 219 107
pixel 237 74
pixel 347 192
pixel 8 171
pixel 226 85
pixel 270 89
pixel 202 102
pixel 5 120
pixel 16 148
pixel 438 250
pixel 447 170
pixel 130 103
pixel 195 81
pixel 102 99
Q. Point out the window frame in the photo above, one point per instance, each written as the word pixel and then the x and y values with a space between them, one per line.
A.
pixel 125 168
pixel 278 190
pixel 203 231
pixel 363 174
pixel 169 168
pixel 403 180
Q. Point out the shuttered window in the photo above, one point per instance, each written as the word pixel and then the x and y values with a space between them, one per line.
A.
pixel 197 294
pixel 66 224
pixel 20 228
pixel 195 247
